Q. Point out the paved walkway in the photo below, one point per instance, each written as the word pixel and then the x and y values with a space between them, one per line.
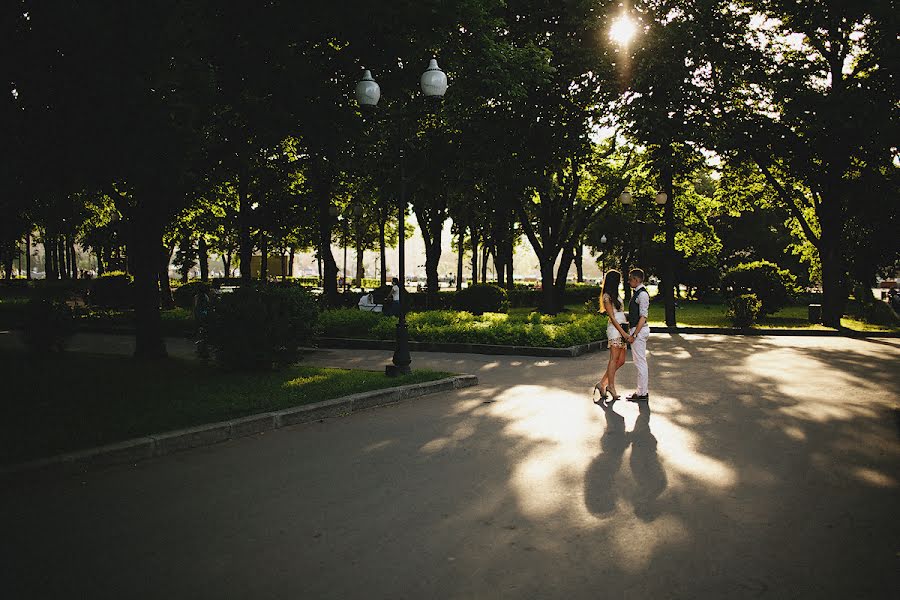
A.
pixel 763 468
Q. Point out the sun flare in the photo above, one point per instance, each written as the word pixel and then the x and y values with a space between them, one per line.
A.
pixel 623 30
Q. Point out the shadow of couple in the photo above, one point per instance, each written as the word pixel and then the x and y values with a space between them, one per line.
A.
pixel 648 477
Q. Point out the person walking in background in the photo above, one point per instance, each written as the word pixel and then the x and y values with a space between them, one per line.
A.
pixel 638 311
pixel 615 335
pixel 392 306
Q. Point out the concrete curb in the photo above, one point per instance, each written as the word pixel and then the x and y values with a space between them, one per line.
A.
pixel 778 332
pixel 363 344
pixel 161 444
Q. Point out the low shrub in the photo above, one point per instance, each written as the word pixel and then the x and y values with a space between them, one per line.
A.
pixel 876 312
pixel 451 326
pixel 48 325
pixel 481 298
pixel 743 310
pixel 256 328
pixel 184 294
pixel 112 290
pixel 773 287
pixel 346 323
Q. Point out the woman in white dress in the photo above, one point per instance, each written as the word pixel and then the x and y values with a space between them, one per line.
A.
pixel 616 334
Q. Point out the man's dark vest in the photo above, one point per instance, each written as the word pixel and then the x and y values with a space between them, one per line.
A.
pixel 634 309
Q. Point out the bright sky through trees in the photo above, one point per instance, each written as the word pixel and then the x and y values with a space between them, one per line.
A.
pixel 623 30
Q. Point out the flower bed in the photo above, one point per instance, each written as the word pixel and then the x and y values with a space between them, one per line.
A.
pixel 534 329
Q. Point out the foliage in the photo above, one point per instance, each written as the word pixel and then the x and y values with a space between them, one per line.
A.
pixel 534 329
pixel 875 313
pixel 112 290
pixel 346 323
pixel 184 294
pixel 773 287
pixel 255 328
pixel 48 325
pixel 132 398
pixel 481 298
pixel 743 310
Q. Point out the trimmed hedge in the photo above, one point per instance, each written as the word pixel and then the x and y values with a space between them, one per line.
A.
pixel 184 294
pixel 48 325
pixel 743 310
pixel 112 290
pixel 534 330
pixel 773 287
pixel 255 328
pixel 481 298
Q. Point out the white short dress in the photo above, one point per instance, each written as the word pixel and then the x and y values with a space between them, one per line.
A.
pixel 614 339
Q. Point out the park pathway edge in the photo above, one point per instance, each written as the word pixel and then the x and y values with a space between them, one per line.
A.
pixel 161 444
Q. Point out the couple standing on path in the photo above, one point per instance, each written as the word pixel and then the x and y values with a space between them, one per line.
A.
pixel 622 331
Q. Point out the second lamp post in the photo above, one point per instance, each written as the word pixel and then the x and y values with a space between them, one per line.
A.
pixel 434 85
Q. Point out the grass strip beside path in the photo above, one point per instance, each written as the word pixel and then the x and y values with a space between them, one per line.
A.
pixel 78 401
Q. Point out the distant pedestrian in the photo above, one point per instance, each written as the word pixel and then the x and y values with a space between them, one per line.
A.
pixel 392 305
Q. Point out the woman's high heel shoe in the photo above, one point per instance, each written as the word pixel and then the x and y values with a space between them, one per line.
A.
pixel 599 388
pixel 613 394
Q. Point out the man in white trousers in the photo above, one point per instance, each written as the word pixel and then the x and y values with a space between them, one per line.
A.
pixel 638 310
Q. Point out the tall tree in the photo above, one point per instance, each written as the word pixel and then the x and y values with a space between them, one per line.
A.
pixel 820 120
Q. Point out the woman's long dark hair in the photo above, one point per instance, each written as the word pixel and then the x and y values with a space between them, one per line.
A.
pixel 611 282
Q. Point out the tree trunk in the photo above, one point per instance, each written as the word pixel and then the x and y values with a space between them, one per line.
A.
pixel 186 249
pixel 8 266
pixel 548 290
pixel 624 271
pixel 290 267
pixel 360 268
pixel 473 241
pixel 381 244
pixel 668 283
pixel 245 253
pixel 203 258
pixel 63 254
pixel 485 253
pixel 499 266
pixel 74 258
pixel 166 300
pixel 28 255
pixel 461 238
pixel 834 291
pixel 226 263
pixel 283 257
pixel 50 271
pixel 263 257
pixel 510 252
pixel 329 265
pixel 562 275
pixel 432 258
pixel 579 261
pixel 144 250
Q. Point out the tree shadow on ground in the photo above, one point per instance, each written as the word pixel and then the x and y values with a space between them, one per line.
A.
pixel 754 471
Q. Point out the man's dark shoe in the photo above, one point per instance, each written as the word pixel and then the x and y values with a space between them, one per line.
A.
pixel 637 397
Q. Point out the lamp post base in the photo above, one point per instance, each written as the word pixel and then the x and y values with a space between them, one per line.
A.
pixel 396 370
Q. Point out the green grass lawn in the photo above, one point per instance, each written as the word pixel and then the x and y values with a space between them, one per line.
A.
pixel 77 401
pixel 696 314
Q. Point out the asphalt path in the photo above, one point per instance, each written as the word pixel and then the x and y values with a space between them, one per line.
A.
pixel 762 467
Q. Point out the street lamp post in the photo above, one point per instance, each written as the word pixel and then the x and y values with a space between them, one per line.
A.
pixel 434 85
pixel 603 256
pixel 344 231
pixel 357 216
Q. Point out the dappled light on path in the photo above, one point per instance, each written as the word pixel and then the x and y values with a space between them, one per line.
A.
pixel 760 467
